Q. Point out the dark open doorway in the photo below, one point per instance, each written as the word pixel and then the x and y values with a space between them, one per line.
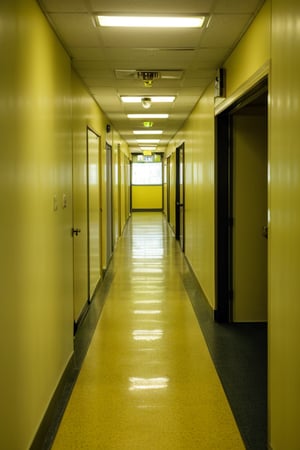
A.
pixel 241 209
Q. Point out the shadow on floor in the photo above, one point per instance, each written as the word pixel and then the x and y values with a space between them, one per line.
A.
pixel 239 352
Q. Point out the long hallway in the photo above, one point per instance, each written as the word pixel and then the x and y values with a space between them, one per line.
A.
pixel 148 381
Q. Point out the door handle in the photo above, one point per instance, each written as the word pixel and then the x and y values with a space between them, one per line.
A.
pixel 76 231
pixel 265 231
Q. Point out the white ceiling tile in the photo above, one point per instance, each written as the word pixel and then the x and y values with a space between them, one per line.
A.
pixel 206 74
pixel 76 30
pixel 82 65
pixel 88 53
pixel 144 92
pixel 237 7
pixel 207 57
pixel 64 5
pixel 171 59
pixel 106 92
pixel 154 7
pixel 148 38
pixel 224 30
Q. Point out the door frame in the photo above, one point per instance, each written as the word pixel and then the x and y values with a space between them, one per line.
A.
pixel 109 202
pixel 224 202
pixel 180 197
pixel 168 188
pixel 89 183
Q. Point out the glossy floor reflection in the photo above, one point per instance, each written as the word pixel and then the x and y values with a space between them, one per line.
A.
pixel 148 382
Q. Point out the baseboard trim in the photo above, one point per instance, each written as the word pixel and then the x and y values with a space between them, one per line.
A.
pixel 196 293
pixel 47 429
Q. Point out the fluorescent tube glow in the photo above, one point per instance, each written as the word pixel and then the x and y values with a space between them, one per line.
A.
pixel 148 132
pixel 148 141
pixel 155 99
pixel 147 116
pixel 151 22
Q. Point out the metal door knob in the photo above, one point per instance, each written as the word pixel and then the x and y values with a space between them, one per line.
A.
pixel 76 231
pixel 265 232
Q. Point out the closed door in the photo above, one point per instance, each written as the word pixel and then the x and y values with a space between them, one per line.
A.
pixel 168 189
pixel 109 203
pixel 249 233
pixel 94 214
pixel 80 227
pixel 180 195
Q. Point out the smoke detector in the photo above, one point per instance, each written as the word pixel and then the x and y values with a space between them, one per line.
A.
pixel 146 102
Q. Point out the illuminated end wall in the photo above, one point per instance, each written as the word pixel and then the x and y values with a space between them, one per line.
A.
pixel 146 186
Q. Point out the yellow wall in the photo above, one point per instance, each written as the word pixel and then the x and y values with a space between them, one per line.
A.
pixel 199 199
pixel 146 197
pixel 252 52
pixel 36 246
pixel 38 94
pixel 198 135
pixel 284 243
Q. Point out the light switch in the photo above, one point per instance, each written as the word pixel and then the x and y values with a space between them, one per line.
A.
pixel 55 204
pixel 64 201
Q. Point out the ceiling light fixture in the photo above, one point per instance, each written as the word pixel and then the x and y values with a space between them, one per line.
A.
pixel 154 99
pixel 148 147
pixel 147 116
pixel 148 141
pixel 151 21
pixel 147 132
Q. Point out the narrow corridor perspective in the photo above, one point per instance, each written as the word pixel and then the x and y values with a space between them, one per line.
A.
pixel 148 381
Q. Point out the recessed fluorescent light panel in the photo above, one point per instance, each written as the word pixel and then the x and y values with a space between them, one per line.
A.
pixel 147 116
pixel 148 132
pixel 148 147
pixel 148 141
pixel 151 21
pixel 155 99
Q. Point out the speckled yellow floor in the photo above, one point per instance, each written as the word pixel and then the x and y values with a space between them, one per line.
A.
pixel 148 382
